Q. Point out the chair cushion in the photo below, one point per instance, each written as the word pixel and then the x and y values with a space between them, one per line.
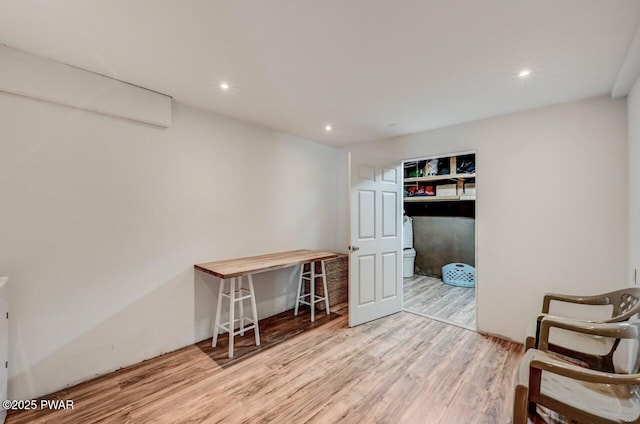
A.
pixel 604 400
pixel 613 402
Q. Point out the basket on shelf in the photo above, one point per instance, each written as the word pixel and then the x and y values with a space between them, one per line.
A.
pixel 457 274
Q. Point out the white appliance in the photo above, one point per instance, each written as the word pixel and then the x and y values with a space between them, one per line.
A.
pixel 4 342
pixel 408 252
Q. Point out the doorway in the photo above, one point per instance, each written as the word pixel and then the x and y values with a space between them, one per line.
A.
pixel 439 238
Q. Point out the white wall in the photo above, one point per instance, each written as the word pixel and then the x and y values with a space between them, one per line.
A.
pixel 551 208
pixel 633 114
pixel 102 219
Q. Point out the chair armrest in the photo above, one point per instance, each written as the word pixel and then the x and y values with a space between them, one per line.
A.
pixel 618 330
pixel 541 316
pixel 539 319
pixel 583 374
pixel 583 300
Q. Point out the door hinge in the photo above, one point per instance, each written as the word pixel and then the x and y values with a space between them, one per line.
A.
pixel 6 364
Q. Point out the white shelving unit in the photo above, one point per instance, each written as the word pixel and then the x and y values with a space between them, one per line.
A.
pixel 462 181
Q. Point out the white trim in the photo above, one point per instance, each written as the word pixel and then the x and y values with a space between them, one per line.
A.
pixel 475 229
pixel 443 320
pixel 442 155
pixel 629 69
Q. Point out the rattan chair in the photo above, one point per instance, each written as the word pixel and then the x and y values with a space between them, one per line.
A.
pixel 577 393
pixel 596 353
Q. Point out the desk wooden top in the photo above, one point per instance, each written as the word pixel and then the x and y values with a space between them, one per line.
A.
pixel 254 264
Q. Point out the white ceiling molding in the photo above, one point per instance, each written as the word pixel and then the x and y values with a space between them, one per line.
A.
pixel 33 76
pixel 629 70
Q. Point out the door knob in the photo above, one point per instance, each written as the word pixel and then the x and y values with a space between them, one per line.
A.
pixel 354 248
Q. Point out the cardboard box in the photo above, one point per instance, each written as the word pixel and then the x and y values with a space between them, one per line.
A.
pixel 446 190
pixel 470 189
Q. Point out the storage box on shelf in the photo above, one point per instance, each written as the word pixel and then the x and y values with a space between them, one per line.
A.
pixel 470 189
pixel 447 190
pixel 454 179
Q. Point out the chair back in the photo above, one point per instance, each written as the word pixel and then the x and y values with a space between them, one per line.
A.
pixel 626 303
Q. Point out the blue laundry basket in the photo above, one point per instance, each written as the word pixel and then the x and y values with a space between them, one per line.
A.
pixel 457 274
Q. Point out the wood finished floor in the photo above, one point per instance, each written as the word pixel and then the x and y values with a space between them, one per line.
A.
pixel 397 369
pixel 430 296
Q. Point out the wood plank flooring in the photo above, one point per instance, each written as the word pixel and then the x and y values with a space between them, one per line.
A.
pixel 398 369
pixel 431 297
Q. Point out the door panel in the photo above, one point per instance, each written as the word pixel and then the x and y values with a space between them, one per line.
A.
pixel 389 274
pixel 390 175
pixel 367 217
pixel 389 216
pixel 375 268
pixel 366 274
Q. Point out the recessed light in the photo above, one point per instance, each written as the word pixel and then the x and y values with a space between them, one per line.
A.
pixel 328 128
pixel 524 73
pixel 224 86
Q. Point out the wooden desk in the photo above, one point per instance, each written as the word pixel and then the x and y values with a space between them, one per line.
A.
pixel 235 269
pixel 255 264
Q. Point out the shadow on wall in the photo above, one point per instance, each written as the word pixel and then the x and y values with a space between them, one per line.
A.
pixel 162 326
pixel 275 293
pixel 175 314
pixel 441 240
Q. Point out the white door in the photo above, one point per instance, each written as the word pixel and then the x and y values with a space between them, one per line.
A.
pixel 375 259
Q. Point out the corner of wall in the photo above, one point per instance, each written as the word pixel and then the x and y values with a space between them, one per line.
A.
pixel 633 146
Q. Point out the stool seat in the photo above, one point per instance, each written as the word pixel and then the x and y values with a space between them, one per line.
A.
pixel 310 277
pixel 236 295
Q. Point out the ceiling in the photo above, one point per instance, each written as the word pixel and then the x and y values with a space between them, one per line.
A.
pixel 370 68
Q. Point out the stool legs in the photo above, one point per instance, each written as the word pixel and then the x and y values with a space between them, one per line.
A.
pixel 216 323
pixel 300 286
pixel 236 293
pixel 241 307
pixel 232 310
pixel 313 298
pixel 254 311
pixel 312 289
pixel 324 288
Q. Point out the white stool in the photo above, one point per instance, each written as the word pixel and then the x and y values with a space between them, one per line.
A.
pixel 236 294
pixel 311 276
